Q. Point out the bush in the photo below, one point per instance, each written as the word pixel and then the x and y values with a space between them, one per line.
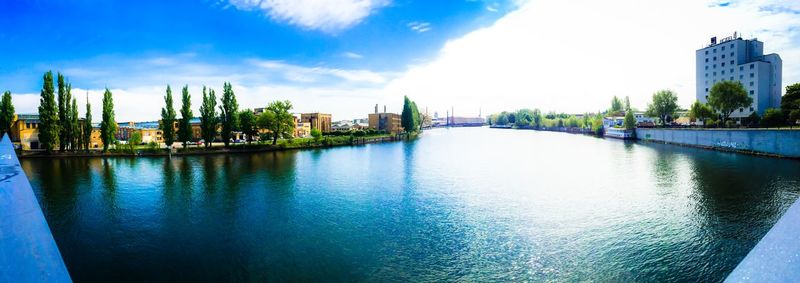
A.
pixel 316 133
pixel 772 118
pixel 730 124
pixel 794 116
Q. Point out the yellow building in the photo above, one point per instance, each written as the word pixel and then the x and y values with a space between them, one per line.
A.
pixel 25 131
pixel 317 120
pixel 389 122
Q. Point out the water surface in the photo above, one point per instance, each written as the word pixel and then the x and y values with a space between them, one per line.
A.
pixel 472 204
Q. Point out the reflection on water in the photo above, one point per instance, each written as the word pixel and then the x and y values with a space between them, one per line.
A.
pixel 458 204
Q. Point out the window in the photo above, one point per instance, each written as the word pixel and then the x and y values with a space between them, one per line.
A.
pixel 715 58
pixel 706 97
pixel 706 67
pixel 715 50
pixel 752 75
pixel 741 110
pixel 706 75
pixel 706 52
pixel 741 68
pixel 731 70
pixel 731 62
pixel 706 60
pixel 715 73
pixel 723 48
pixel 752 92
pixel 723 64
pixel 751 109
pixel 714 66
pixel 752 66
pixel 752 83
pixel 723 56
pixel 706 89
pixel 731 54
pixel 731 78
pixel 741 77
pixel 731 45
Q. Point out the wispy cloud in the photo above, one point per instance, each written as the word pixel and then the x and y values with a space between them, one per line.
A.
pixel 328 16
pixel 352 55
pixel 419 26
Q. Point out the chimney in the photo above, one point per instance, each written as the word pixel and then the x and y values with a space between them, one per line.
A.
pixel 376 108
pixel 384 109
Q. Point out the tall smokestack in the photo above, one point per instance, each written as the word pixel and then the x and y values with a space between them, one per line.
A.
pixel 384 109
pixel 376 108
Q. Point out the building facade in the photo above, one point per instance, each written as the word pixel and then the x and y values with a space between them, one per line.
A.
pixel 317 120
pixel 385 121
pixel 743 60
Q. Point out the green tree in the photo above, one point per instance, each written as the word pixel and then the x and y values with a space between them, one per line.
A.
pixel 67 135
pixel 700 111
pixel 247 123
pixel 417 117
pixel 74 126
pixel 228 111
pixel 278 120
pixel 87 125
pixel 6 113
pixel 772 118
pixel 168 119
pixel 407 117
pixel 616 105
pixel 63 108
pixel 627 103
pixel 537 118
pixel 317 134
pixel 794 116
pixel 664 105
pixel 790 103
pixel 208 117
pixel 597 124
pixel 108 126
pixel 48 114
pixel 134 140
pixel 629 122
pixel 727 96
pixel 184 125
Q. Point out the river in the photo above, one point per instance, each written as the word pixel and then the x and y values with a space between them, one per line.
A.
pixel 469 204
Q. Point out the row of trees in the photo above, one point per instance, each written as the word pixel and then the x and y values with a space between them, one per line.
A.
pixel 223 119
pixel 727 96
pixel 58 118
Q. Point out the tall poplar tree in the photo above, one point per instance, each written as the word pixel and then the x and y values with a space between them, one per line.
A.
pixel 62 112
pixel 48 114
pixel 208 116
pixel 228 113
pixel 75 143
pixel 168 119
pixel 87 125
pixel 184 125
pixel 108 127
pixel 66 124
pixel 6 113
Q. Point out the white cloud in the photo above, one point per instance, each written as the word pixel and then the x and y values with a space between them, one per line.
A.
pixel 352 55
pixel 325 15
pixel 419 26
pixel 573 56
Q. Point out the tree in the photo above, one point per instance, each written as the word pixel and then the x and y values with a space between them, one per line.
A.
pixel 700 111
pixel 208 117
pixel 108 126
pixel 6 113
pixel 168 119
pixel 317 134
pixel 74 127
pixel 48 114
pixel 67 134
pixel 664 105
pixel 794 116
pixel 772 118
pixel 597 124
pixel 134 140
pixel 184 125
pixel 247 124
pixel 630 122
pixel 87 125
pixel 616 105
pixel 524 118
pixel 278 120
pixel 407 117
pixel 627 103
pixel 790 103
pixel 537 118
pixel 62 113
pixel 228 111
pixel 417 117
pixel 727 96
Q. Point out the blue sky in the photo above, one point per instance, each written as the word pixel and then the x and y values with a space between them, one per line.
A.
pixel 60 35
pixel 345 56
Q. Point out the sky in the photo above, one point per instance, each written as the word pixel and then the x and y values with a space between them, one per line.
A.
pixel 343 57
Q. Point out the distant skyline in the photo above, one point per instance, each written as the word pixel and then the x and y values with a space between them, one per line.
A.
pixel 343 57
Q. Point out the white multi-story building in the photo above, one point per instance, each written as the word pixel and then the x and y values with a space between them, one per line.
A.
pixel 736 59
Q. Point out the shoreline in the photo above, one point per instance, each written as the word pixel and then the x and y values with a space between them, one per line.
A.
pixel 239 149
pixel 698 146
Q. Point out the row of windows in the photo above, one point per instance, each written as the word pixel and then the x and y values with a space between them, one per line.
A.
pixel 723 48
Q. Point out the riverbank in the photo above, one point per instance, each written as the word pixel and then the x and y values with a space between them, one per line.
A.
pixel 294 144
pixel 783 143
